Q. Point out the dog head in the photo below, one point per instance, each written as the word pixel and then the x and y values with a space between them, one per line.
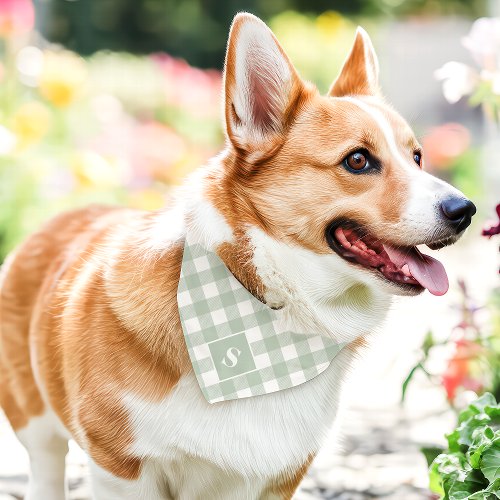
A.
pixel 341 175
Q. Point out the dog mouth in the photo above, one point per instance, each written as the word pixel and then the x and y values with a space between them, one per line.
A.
pixel 406 267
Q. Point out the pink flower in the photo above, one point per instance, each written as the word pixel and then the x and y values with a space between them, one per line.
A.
pixel 156 150
pixel 16 17
pixel 444 144
pixel 190 88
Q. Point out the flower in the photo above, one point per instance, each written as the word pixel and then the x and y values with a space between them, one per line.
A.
pixel 30 123
pixel 94 170
pixel 458 371
pixel 483 42
pixel 444 144
pixel 62 78
pixel 29 63
pixel 146 199
pixel 494 229
pixel 7 141
pixel 458 80
pixel 191 88
pixel 156 150
pixel 16 17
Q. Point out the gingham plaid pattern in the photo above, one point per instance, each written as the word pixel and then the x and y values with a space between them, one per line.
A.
pixel 235 343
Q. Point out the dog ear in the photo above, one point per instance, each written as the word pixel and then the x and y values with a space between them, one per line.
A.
pixel 261 85
pixel 359 74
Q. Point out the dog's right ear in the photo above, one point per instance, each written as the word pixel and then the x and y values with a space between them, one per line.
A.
pixel 261 85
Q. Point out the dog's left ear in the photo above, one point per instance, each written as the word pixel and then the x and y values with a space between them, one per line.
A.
pixel 261 86
pixel 359 74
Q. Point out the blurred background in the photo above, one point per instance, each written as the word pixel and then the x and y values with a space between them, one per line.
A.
pixel 115 101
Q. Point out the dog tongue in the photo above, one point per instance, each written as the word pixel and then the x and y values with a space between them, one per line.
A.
pixel 429 272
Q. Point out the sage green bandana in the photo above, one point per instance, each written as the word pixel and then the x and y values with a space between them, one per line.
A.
pixel 237 344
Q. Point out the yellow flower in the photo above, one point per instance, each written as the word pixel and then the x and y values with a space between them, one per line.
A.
pixel 30 123
pixel 330 23
pixel 93 170
pixel 147 199
pixel 63 77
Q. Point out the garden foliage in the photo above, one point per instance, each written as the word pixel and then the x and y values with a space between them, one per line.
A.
pixel 470 468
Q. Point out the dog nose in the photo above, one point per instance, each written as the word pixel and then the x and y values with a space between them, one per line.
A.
pixel 459 212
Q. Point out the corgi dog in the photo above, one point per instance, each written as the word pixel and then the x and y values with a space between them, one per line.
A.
pixel 316 205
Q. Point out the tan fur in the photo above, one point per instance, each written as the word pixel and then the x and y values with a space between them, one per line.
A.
pixel 77 324
pixel 359 73
pixel 286 486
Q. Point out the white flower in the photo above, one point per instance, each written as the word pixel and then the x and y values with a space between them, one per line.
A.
pixel 7 141
pixel 458 80
pixel 29 62
pixel 483 42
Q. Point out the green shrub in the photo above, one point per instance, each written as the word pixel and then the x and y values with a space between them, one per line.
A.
pixel 470 468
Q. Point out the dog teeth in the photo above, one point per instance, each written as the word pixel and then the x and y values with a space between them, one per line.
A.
pixel 339 233
pixel 406 271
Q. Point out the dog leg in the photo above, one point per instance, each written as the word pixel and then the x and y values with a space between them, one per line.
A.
pixel 107 486
pixel 47 453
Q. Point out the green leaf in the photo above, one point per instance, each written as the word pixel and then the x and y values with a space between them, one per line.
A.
pixel 492 492
pixel 431 452
pixel 451 463
pixel 458 487
pixel 475 424
pixel 494 488
pixel 490 461
pixel 408 379
pixel 493 412
pixel 482 438
pixel 471 468
pixel 466 430
pixel 428 343
pixel 435 479
pixel 453 441
pixel 477 407
pixel 487 399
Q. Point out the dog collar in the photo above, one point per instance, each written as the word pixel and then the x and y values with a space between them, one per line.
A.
pixel 239 347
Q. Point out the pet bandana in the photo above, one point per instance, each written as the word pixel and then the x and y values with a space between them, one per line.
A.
pixel 237 344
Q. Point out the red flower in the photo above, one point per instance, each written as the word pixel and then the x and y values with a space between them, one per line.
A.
pixel 16 17
pixel 457 373
pixel 495 229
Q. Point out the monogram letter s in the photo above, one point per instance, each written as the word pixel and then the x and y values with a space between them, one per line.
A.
pixel 231 358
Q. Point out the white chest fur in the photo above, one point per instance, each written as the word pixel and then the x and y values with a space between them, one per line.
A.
pixel 257 437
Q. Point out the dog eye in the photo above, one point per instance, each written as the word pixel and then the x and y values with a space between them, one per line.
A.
pixel 357 161
pixel 417 157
